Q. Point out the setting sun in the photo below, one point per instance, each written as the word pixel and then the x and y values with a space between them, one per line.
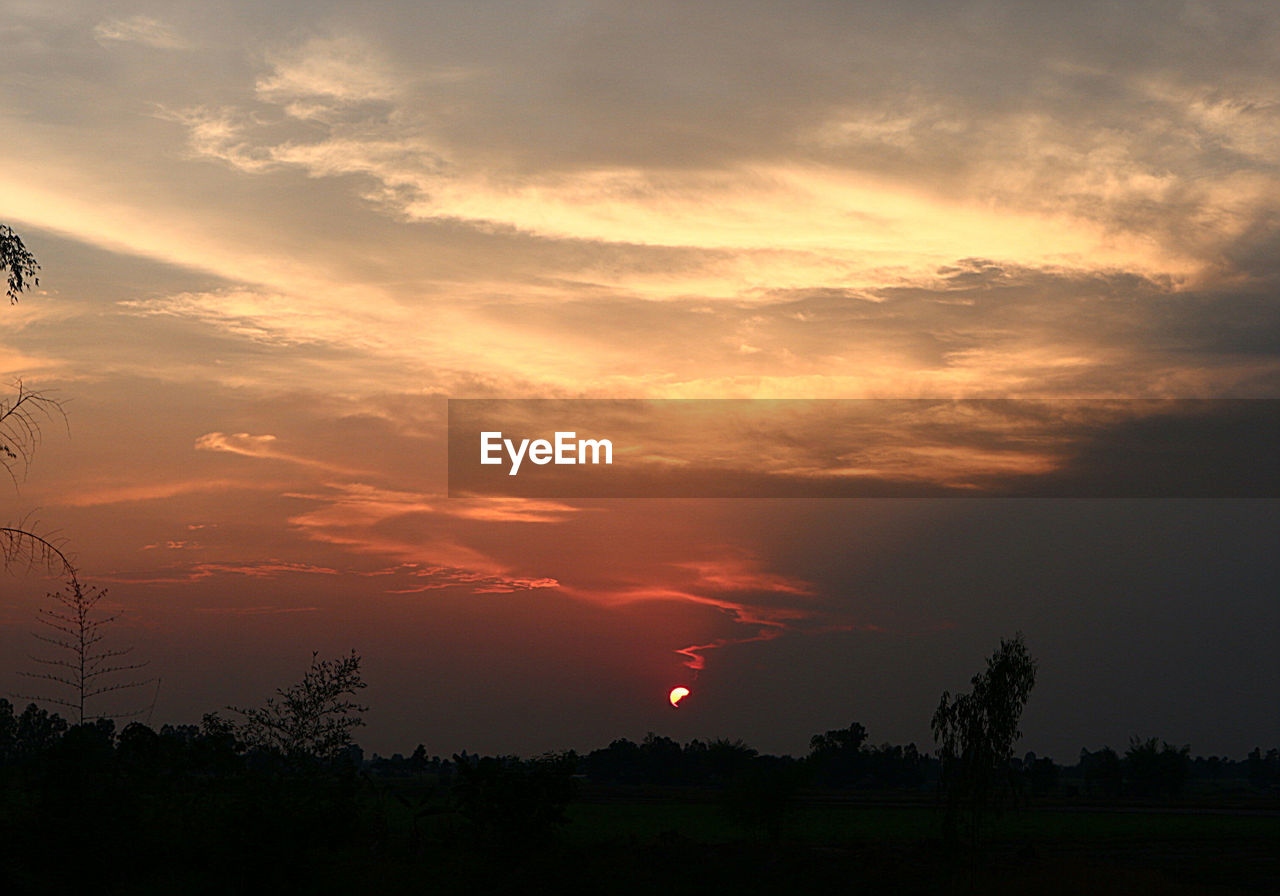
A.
pixel 678 694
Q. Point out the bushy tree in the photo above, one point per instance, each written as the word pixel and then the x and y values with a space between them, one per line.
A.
pixel 18 262
pixel 510 805
pixel 839 740
pixel 1155 766
pixel 1102 772
pixel 762 792
pixel 313 718
pixel 976 733
pixel 836 757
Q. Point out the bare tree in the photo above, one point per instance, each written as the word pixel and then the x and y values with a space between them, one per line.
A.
pixel 22 544
pixel 20 419
pixel 82 666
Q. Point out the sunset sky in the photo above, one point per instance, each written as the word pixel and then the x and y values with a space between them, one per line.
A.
pixel 276 237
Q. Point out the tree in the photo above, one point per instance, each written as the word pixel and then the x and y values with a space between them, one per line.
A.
pixel 313 718
pixel 762 793
pixel 976 733
pixel 1155 766
pixel 20 419
pixel 840 740
pixel 18 261
pixel 82 664
pixel 511 807
pixel 1101 772
pixel 836 757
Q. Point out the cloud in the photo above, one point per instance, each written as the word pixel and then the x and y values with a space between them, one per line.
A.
pixel 155 491
pixel 140 29
pixel 343 69
pixel 263 447
pixel 419 530
pixel 837 223
pixel 752 603
pixel 239 443
pixel 1042 241
pixel 253 611
pixel 735 574
pixel 1061 175
pixel 195 572
pixel 440 577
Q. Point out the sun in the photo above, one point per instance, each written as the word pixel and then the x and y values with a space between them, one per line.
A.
pixel 678 694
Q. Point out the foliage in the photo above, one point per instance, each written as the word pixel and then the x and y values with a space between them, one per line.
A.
pixel 29 735
pixel 842 758
pixel 1041 773
pixel 1156 767
pixel 839 740
pixel 761 794
pixel 216 818
pixel 1264 770
pixel 513 805
pixel 18 261
pixel 314 718
pixel 82 666
pixel 722 759
pixel 976 733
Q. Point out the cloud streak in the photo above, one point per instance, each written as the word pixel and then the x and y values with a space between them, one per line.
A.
pixel 140 29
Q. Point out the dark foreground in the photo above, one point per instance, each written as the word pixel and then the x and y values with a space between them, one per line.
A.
pixel 198 810
pixel 356 835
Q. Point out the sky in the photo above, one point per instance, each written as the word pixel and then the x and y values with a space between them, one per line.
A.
pixel 277 237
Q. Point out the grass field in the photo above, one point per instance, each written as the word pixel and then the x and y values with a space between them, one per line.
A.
pixel 824 825
pixel 1038 850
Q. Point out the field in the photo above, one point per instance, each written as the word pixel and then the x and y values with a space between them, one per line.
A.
pixel 1060 849
pixel 416 834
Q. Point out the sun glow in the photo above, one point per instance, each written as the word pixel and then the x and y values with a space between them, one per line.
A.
pixel 678 694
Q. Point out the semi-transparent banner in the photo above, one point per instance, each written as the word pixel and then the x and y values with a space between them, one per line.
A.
pixel 865 448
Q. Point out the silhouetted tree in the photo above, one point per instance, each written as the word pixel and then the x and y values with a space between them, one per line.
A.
pixel 1101 772
pixel 35 731
pixel 314 718
pixel 618 763
pixel 836 757
pixel 840 740
pixel 513 806
pixel 1264 770
pixel 762 792
pixel 1154 767
pixel 81 664
pixel 18 262
pixel 662 760
pixel 894 765
pixel 1041 772
pixel 20 419
pixel 725 760
pixel 976 733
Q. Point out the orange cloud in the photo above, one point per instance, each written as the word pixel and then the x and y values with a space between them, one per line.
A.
pixel 261 446
pixel 94 497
